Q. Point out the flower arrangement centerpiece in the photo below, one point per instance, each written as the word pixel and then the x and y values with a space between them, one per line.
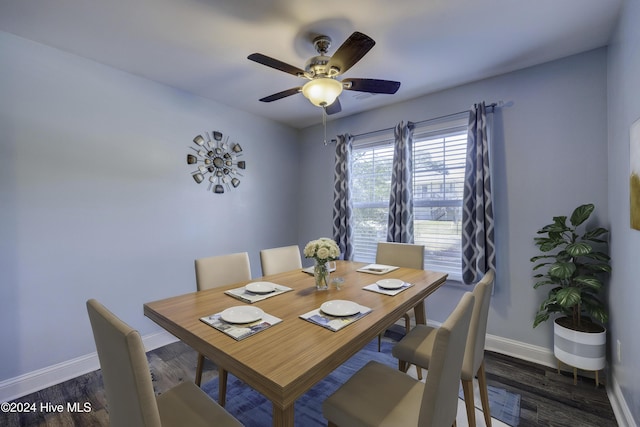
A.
pixel 322 251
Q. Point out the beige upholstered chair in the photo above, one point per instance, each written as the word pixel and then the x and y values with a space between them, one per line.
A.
pixel 416 347
pixel 127 382
pixel 212 272
pixel 400 255
pixel 378 395
pixel 278 260
pixel 221 270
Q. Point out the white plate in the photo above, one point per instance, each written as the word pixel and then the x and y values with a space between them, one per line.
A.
pixel 260 287
pixel 390 283
pixel 340 307
pixel 242 314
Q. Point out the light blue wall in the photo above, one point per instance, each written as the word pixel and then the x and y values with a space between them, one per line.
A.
pixel 549 156
pixel 97 201
pixel 624 109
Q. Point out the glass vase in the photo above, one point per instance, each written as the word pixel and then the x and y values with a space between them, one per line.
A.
pixel 321 274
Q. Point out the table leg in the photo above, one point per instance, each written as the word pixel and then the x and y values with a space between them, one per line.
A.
pixel 222 386
pixel 283 417
pixel 418 310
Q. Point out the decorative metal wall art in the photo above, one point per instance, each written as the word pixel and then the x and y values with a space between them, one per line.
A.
pixel 217 161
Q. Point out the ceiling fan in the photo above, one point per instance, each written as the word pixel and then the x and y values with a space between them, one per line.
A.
pixel 323 88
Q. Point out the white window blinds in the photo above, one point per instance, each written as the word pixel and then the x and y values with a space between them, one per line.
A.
pixel 439 151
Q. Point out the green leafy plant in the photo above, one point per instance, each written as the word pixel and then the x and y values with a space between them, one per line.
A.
pixel 575 262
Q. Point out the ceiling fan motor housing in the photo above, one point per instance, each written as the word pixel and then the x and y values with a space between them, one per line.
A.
pixel 317 65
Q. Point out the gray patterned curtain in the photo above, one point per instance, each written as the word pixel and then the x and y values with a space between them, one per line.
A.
pixel 400 222
pixel 342 202
pixel 478 248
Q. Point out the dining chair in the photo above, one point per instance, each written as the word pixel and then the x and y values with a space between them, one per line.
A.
pixel 407 255
pixel 378 395
pixel 212 272
pixel 128 386
pixel 279 260
pixel 415 348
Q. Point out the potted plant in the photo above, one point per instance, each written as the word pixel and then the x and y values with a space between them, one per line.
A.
pixel 575 259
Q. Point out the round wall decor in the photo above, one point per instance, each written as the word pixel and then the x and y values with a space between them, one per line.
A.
pixel 217 161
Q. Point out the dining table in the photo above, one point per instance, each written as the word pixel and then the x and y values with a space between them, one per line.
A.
pixel 286 359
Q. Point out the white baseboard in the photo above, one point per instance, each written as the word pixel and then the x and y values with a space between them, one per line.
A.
pixel 31 382
pixel 157 340
pixel 531 353
pixel 619 405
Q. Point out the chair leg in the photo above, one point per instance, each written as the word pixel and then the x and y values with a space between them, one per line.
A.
pixel 403 366
pixel 467 388
pixel 199 366
pixel 222 386
pixel 407 326
pixel 484 394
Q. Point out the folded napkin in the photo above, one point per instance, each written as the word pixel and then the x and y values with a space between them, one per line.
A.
pixel 240 331
pixel 375 288
pixel 334 323
pixel 244 295
pixel 377 269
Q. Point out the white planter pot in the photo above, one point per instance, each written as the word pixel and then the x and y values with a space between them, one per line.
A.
pixel 582 350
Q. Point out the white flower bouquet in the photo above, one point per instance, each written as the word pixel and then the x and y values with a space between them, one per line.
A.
pixel 322 250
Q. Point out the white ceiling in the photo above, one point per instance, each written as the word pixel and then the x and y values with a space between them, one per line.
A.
pixel 201 46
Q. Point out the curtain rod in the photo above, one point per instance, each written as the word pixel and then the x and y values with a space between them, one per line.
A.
pixel 493 106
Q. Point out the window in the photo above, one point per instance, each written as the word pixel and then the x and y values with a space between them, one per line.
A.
pixel 439 155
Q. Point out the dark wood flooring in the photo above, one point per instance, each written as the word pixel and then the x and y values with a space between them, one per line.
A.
pixel 547 398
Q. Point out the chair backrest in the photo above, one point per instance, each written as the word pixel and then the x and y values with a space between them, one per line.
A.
pixel 474 350
pixel 278 260
pixel 440 396
pixel 221 270
pixel 406 255
pixel 125 370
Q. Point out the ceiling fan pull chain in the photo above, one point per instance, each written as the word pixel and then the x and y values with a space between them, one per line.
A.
pixel 324 123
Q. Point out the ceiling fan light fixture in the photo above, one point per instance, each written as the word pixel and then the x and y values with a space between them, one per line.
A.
pixel 322 91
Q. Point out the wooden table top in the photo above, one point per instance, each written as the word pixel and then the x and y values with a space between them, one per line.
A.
pixel 285 360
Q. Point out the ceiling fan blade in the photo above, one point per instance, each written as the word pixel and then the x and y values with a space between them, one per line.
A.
pixel 281 95
pixel 371 85
pixel 334 108
pixel 274 63
pixel 351 51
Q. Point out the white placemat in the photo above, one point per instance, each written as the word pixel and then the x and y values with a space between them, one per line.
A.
pixel 310 269
pixel 377 269
pixel 244 295
pixel 240 331
pixel 375 288
pixel 334 323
